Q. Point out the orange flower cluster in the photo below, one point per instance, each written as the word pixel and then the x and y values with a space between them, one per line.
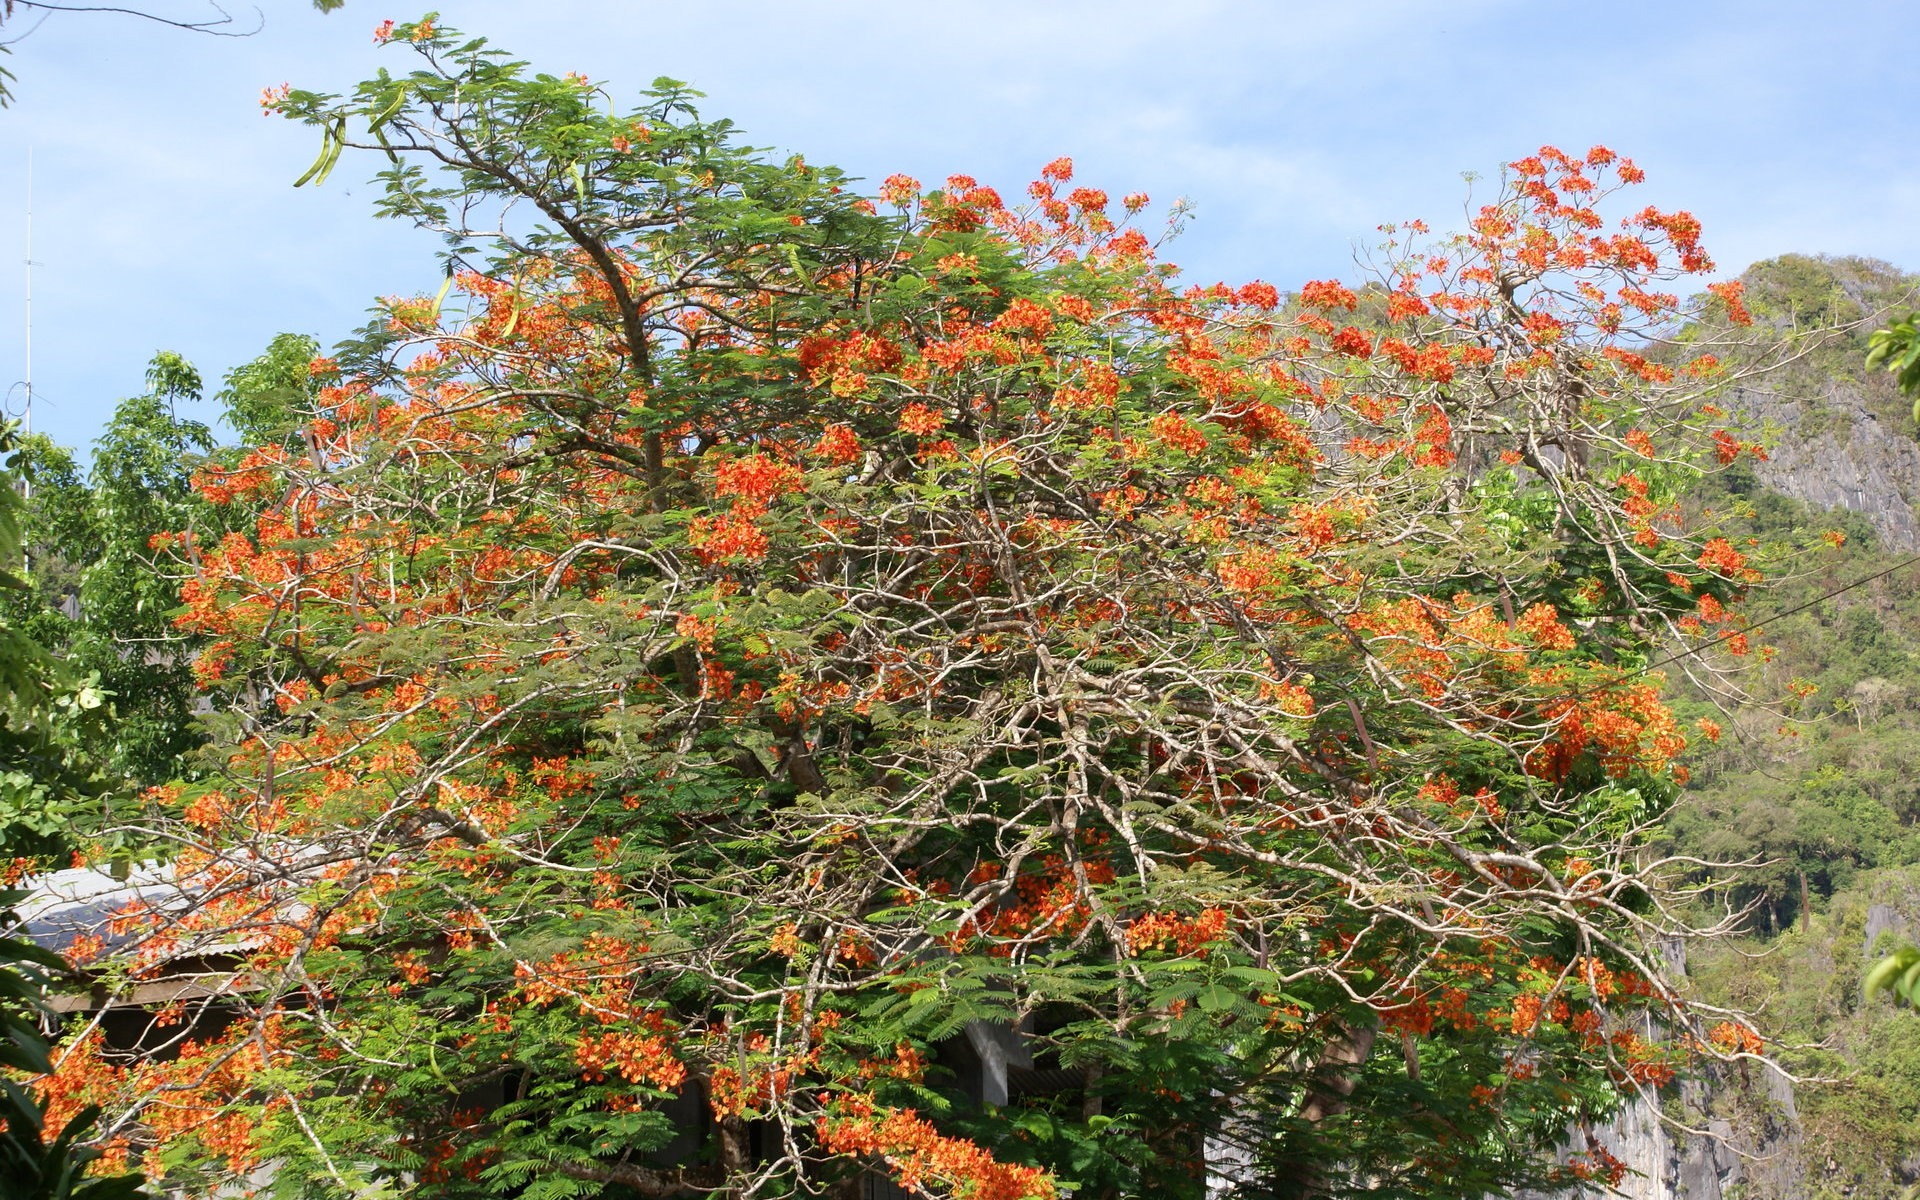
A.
pixel 839 445
pixel 735 536
pixel 1171 931
pixel 1719 556
pixel 1026 317
pixel 759 478
pixel 1442 791
pixel 1176 432
pixel 600 977
pixel 1625 724
pixel 1732 293
pixel 1328 294
pixel 1448 1001
pixel 1526 1013
pixel 922 420
pixel 1353 342
pixel 919 1154
pixel 1597 1163
pixel 1288 697
pixel 1050 904
pixel 1541 622
pixel 635 1057
pixel 251 479
pixel 200 1083
pixel 1735 1038
pixel 759 1081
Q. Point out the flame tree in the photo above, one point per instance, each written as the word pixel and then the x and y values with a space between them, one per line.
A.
pixel 744 631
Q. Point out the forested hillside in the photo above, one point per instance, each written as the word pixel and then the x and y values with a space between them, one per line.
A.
pixel 1815 784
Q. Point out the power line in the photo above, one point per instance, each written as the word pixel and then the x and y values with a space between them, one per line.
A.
pixel 1771 618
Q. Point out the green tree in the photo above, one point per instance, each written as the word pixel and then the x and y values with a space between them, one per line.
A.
pixel 142 467
pixel 96 599
pixel 41 776
pixel 48 712
pixel 269 400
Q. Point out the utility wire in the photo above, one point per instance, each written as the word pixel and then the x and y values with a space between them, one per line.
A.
pixel 1770 619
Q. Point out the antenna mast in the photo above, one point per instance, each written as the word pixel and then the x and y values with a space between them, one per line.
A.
pixel 26 481
pixel 27 425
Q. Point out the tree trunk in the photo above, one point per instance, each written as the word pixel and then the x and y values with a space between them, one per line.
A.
pixel 735 1154
pixel 1329 1095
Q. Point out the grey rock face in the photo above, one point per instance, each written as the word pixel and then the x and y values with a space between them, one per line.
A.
pixel 1734 1159
pixel 1882 918
pixel 1832 451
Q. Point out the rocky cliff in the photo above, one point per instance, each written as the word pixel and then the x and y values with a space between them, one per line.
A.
pixel 1840 438
pixel 1748 1144
pixel 1834 447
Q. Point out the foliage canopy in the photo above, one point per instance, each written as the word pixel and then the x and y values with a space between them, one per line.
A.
pixel 743 635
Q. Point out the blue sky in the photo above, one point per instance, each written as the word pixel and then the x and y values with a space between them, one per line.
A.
pixel 164 219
